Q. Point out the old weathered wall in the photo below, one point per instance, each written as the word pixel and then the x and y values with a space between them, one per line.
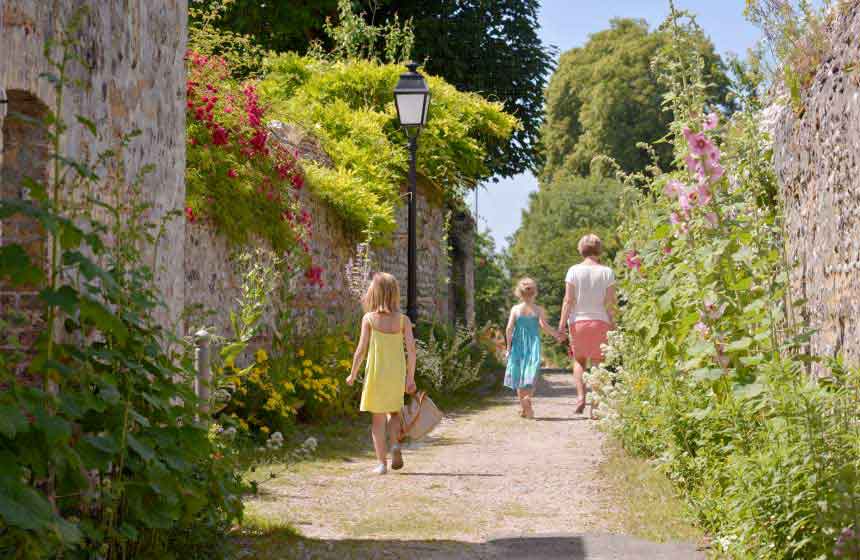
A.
pixel 817 157
pixel 213 280
pixel 433 266
pixel 136 80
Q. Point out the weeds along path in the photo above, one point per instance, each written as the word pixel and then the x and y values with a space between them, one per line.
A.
pixel 487 484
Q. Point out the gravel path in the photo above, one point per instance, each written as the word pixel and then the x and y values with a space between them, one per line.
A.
pixel 485 485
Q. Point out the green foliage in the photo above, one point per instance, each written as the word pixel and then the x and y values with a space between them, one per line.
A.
pixel 349 106
pixel 491 48
pixel 794 31
pixel 101 455
pixel 355 38
pixel 449 360
pixel 236 179
pixel 492 283
pixel 604 94
pixel 208 36
pixel 558 215
pixel 447 35
pixel 705 373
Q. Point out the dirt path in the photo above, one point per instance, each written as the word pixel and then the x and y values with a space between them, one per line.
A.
pixel 486 485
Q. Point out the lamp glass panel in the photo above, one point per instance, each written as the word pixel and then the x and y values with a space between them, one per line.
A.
pixel 410 108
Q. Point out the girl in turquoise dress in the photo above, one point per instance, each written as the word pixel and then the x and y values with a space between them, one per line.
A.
pixel 524 346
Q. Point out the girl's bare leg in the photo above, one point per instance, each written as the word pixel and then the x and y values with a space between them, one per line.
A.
pixel 393 429
pixel 377 430
pixel 393 433
pixel 578 372
pixel 522 394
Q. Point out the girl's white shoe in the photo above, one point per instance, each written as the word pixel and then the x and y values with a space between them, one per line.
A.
pixel 381 468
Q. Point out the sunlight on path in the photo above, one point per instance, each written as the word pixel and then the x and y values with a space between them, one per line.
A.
pixel 484 485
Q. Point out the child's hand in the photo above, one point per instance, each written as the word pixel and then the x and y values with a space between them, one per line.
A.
pixel 350 379
pixel 410 386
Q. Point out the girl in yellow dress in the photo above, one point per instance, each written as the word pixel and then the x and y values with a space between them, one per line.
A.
pixel 390 367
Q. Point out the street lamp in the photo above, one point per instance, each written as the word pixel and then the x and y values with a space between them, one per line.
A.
pixel 412 99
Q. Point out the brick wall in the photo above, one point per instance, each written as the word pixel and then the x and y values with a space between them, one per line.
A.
pixel 817 157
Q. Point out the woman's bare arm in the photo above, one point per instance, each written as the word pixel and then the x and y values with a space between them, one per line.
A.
pixel 568 306
pixel 610 303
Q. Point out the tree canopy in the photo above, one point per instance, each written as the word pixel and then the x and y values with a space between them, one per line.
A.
pixel 604 98
pixel 558 215
pixel 490 48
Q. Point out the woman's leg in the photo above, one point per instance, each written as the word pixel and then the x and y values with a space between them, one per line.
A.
pixel 377 430
pixel 578 372
pixel 522 394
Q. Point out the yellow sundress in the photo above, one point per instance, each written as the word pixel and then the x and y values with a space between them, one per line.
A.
pixel 385 376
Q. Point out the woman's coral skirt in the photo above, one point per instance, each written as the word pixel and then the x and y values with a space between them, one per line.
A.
pixel 586 338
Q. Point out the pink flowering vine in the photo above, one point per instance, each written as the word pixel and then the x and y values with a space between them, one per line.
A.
pixel 633 261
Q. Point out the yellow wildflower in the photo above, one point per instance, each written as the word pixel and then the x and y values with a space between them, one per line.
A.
pixel 307 363
pixel 264 429
pixel 261 356
pixel 345 364
pixel 301 352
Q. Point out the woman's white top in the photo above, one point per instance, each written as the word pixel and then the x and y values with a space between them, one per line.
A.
pixel 590 283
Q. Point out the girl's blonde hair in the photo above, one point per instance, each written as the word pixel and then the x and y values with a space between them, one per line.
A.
pixel 383 294
pixel 590 246
pixel 526 286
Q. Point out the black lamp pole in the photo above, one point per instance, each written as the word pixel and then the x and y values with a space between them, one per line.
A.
pixel 412 252
pixel 412 99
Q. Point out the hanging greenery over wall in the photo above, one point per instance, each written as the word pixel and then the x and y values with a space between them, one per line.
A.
pixel 349 106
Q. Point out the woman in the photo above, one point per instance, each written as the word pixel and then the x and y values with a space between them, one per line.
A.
pixel 588 310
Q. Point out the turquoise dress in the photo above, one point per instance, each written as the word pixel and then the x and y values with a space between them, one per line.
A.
pixel 524 359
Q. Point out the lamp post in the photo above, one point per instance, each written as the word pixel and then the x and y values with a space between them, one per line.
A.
pixel 412 99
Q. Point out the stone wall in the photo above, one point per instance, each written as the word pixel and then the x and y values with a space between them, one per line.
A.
pixel 817 156
pixel 445 281
pixel 136 80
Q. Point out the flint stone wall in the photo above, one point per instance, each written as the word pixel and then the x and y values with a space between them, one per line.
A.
pixel 136 80
pixel 817 157
pixel 213 280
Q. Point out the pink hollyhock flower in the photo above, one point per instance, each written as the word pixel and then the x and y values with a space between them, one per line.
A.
pixel 698 143
pixel 673 188
pixel 684 200
pixel 694 165
pixel 711 121
pixel 715 172
pixel 297 181
pixel 702 328
pixel 703 194
pixel 712 218
pixel 675 218
pixel 712 310
pixel 219 136
pixel 189 214
pixel 633 261
pixel 259 140
pixel 232 173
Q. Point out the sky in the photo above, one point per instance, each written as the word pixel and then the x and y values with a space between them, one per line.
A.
pixel 567 24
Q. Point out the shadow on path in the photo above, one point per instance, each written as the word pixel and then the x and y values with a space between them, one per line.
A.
pixel 543 547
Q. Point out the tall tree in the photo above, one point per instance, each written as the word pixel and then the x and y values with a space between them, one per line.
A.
pixel 491 48
pixel 558 215
pixel 604 98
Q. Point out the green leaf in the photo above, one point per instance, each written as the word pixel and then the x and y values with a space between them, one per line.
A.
pixel 12 421
pixel 739 345
pixel 23 507
pixel 104 319
pixel 90 125
pixel 66 298
pixel 144 451
pixel 707 374
pixel 747 391
pixel 15 266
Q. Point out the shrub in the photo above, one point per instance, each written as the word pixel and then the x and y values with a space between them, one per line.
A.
pixel 237 179
pixel 705 373
pixel 101 454
pixel 449 360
